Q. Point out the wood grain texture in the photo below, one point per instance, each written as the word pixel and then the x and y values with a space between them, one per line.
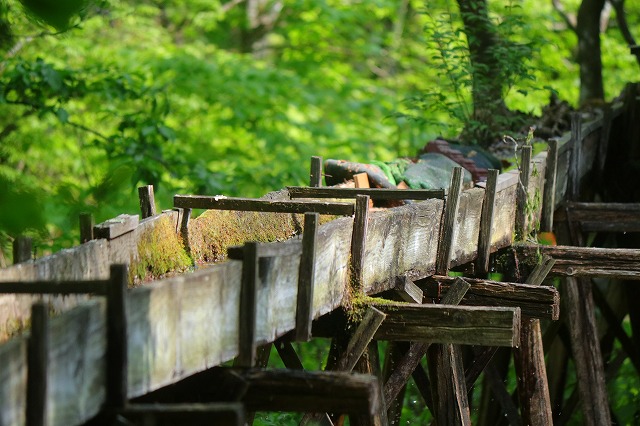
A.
pixel 373 193
pixel 261 205
pixel 534 301
pixel 450 324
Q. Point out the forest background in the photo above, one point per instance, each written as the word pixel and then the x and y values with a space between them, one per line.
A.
pixel 233 98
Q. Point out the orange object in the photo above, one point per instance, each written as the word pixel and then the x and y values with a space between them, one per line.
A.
pixel 547 239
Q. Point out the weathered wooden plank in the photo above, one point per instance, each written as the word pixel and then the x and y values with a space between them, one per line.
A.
pixel 220 202
pixel 523 191
pixel 588 261
pixel 465 244
pixel 38 363
pixel 77 364
pixel 533 389
pixel 411 359
pixel 603 217
pixel 315 176
pixel 116 227
pixel 448 387
pixel 534 301
pixel 22 249
pixel 575 172
pixel 358 242
pixel 447 235
pixel 86 227
pixel 277 390
pixel 98 287
pixel 400 241
pixel 360 339
pixel 306 277
pixel 13 381
pixel 468 325
pixel 407 290
pixel 550 175
pixel 373 193
pixel 486 222
pixel 248 315
pixel 147 201
pixel 117 361
pixel 503 228
pixel 221 413
pixel 586 352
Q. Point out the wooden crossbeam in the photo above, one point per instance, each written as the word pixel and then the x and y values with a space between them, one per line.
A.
pixel 258 205
pixel 373 193
pixel 587 261
pixel 62 287
pixel 467 325
pixel 602 217
pixel 534 301
pixel 276 390
pixel 221 413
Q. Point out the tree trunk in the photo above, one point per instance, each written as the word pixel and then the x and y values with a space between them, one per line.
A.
pixel 482 40
pixel 589 53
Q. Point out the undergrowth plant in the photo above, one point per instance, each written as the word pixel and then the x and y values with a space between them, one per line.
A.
pixel 460 77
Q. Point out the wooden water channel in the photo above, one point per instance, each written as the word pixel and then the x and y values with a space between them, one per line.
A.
pixel 154 354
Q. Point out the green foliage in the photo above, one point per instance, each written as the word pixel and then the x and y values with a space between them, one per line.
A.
pixel 512 54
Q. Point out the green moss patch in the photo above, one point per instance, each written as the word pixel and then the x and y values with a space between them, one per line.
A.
pixel 214 231
pixel 160 251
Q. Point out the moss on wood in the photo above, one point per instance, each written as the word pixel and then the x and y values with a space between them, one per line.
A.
pixel 160 251
pixel 214 231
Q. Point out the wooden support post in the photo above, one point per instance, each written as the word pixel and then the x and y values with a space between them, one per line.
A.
pixel 447 235
pixel 448 387
pixel 486 223
pixel 248 294
pixel 185 216
pixel 533 389
pixel 482 358
pixel 573 192
pixel 22 249
pixel 86 227
pixel 549 196
pixel 605 135
pixel 288 355
pixel 38 361
pixel 306 275
pixel 147 201
pixel 500 393
pixel 405 367
pixel 585 347
pixel 117 362
pixel 407 290
pixel 358 240
pixel 315 177
pixel 360 339
pixel 541 271
pixel 523 193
